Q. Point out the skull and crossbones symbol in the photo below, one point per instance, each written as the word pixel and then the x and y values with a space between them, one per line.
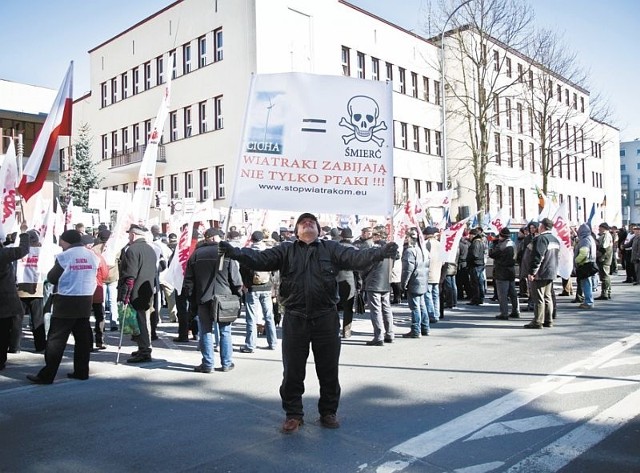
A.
pixel 363 120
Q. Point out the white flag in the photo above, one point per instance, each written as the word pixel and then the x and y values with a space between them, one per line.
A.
pixel 450 239
pixel 8 180
pixel 174 274
pixel 563 233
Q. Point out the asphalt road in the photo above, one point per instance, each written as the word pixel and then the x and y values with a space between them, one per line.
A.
pixel 477 395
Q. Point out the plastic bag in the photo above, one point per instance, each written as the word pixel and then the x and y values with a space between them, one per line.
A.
pixel 128 319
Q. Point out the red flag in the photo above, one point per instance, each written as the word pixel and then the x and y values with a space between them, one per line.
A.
pixel 58 123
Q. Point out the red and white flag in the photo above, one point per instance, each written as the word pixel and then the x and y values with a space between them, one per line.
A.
pixel 450 240
pixel 174 275
pixel 58 123
pixel 8 179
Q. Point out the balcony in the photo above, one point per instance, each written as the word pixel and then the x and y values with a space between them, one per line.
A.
pixel 134 156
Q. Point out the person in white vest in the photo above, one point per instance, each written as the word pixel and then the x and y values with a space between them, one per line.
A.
pixel 74 275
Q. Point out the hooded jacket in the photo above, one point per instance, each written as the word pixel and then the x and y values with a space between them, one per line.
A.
pixel 585 250
pixel 544 256
pixel 415 269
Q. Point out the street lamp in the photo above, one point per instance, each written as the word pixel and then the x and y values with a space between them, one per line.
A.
pixel 443 144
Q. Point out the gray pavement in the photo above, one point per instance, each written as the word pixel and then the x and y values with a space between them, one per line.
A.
pixel 454 401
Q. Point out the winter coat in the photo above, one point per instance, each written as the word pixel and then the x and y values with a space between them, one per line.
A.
pixel 347 275
pixel 463 248
pixel 376 278
pixel 203 279
pixel 101 277
pixel 139 262
pixel 308 285
pixel 475 256
pixel 415 270
pixel 9 299
pixel 504 262
pixel 585 250
pixel 247 274
pixel 604 248
pixel 635 250
pixel 544 256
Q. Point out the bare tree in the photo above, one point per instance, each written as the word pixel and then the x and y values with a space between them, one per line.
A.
pixel 478 74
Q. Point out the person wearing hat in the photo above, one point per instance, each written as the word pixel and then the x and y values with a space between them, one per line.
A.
pixel 138 266
pixel 202 280
pixel 365 238
pixel 414 281
pixel 346 287
pixel 309 294
pixel 74 275
pixel 604 250
pixel 475 265
pixel 525 261
pixel 542 271
pixel 257 293
pixel 30 282
pixel 504 273
pixel 11 305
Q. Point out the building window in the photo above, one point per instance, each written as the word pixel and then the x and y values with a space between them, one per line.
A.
pixel 508 63
pixel 136 81
pixel 159 70
pixel 566 97
pixel 519 117
pixel 425 87
pixel 508 112
pixel 403 135
pixel 125 139
pixel 582 104
pixel 487 198
pixel 217 44
pixel 361 72
pixel 114 90
pixel 402 79
pixel 496 109
pixel 105 147
pixel 510 151
pixel 496 148
pixel 530 116
pixel 496 60
pixel 389 68
pixel 623 153
pixel 188 185
pixel 523 205
pixel 147 130
pixel 204 184
pixel 512 202
pixel 414 85
pixel 559 93
pixel 136 136
pixel 416 138
pixel 521 153
pixel 114 143
pixel 427 140
pixel 124 79
pixel 160 184
pixel 346 62
pixel 375 69
pixel 202 51
pixel 575 101
pixel 173 62
pixel 438 140
pixel 220 189
pixel 174 186
pixel 186 58
pixel 173 126
pixel 103 94
pixel 217 112
pixel 147 75
pixel 532 157
pixel 499 196
pixel 202 117
pixel 187 122
pixel 417 185
pixel 436 92
pixel 520 73
pixel 623 167
pixel 530 78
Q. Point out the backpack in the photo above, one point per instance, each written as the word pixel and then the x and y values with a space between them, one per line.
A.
pixel 261 277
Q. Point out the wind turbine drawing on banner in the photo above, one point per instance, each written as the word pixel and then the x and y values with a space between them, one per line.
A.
pixel 266 125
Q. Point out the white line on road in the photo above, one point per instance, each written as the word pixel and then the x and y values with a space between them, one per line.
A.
pixel 480 468
pixel 597 384
pixel 429 442
pixel 532 423
pixel 564 450
pixel 629 360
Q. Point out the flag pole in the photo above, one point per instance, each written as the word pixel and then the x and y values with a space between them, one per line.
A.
pixel 226 229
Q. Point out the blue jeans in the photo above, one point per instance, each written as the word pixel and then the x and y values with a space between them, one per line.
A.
pixel 419 315
pixel 432 300
pixel 258 302
pixel 587 290
pixel 478 283
pixel 205 339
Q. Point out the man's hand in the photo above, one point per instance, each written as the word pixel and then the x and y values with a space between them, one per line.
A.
pixel 225 248
pixel 530 277
pixel 24 228
pixel 390 250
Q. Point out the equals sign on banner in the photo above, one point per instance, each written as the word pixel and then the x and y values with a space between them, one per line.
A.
pixel 314 125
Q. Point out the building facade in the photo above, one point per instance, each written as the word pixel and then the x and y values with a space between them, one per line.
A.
pixel 211 48
pixel 630 181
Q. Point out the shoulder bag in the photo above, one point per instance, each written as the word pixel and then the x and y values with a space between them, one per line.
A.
pixel 226 308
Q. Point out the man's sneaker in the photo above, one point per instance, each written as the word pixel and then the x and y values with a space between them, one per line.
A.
pixel 244 349
pixel 224 369
pixel 585 306
pixel 502 317
pixel 411 335
pixel 532 325
pixel 202 369
pixel 291 425
pixel 329 421
pixel 139 359
pixel 547 324
pixel 515 315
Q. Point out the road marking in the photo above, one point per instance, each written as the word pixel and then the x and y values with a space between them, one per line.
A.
pixel 433 440
pixel 532 423
pixel 596 384
pixel 629 360
pixel 564 450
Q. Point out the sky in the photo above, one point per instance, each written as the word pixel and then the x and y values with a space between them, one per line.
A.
pixel 40 37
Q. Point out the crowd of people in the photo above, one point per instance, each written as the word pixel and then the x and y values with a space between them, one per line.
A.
pixel 312 278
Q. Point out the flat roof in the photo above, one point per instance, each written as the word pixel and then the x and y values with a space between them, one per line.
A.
pixel 25 98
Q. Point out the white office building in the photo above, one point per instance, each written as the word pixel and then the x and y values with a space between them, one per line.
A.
pixel 218 44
